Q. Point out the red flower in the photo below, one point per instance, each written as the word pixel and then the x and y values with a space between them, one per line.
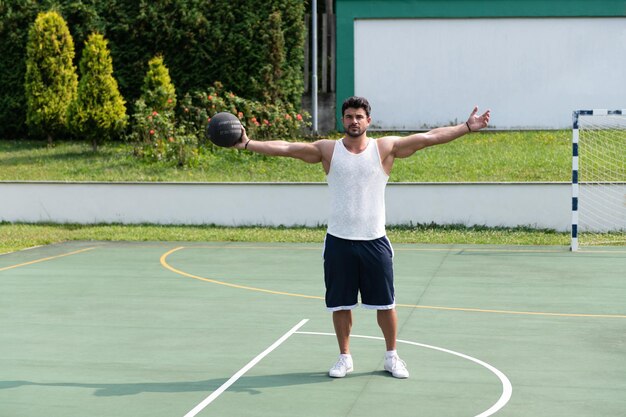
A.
pixel 152 131
pixel 240 115
pixel 266 122
pixel 287 117
pixel 210 97
pixel 299 117
pixel 154 113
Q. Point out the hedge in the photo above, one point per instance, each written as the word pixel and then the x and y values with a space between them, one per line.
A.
pixel 201 41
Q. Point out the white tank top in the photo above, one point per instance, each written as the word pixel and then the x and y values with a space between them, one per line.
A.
pixel 357 193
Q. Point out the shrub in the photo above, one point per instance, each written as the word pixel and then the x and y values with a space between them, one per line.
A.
pixel 51 81
pixel 159 137
pixel 155 132
pixel 261 120
pixel 99 111
pixel 158 92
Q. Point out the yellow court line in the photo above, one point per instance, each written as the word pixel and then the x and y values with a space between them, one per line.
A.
pixel 401 249
pixel 523 313
pixel 213 281
pixel 45 259
pixel 164 263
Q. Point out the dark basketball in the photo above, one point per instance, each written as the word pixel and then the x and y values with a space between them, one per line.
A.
pixel 224 129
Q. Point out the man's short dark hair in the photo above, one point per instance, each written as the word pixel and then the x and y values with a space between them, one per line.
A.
pixel 355 102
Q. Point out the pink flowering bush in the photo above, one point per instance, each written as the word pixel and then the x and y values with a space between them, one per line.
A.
pixel 175 135
pixel 159 137
pixel 156 131
pixel 261 120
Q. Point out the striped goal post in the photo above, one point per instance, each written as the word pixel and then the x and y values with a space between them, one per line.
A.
pixel 617 178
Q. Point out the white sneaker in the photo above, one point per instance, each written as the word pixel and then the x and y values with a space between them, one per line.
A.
pixel 341 367
pixel 396 367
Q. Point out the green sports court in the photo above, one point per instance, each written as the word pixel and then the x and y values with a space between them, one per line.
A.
pixel 240 329
pixel 110 328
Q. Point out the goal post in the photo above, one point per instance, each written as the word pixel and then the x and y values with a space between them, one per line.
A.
pixel 598 178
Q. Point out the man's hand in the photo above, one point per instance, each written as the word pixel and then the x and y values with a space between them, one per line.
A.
pixel 475 123
pixel 244 139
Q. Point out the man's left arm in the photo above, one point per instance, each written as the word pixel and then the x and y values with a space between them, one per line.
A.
pixel 406 146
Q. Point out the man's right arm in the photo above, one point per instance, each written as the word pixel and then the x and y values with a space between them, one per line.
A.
pixel 311 152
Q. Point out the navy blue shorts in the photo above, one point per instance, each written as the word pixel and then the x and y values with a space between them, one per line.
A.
pixel 358 266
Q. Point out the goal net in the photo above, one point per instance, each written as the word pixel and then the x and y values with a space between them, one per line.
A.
pixel 599 178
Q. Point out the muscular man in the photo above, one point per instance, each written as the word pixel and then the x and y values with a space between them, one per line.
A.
pixel 357 253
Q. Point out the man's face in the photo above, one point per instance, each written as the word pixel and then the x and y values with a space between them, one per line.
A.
pixel 355 122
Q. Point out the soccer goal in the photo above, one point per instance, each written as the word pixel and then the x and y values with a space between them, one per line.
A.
pixel 598 178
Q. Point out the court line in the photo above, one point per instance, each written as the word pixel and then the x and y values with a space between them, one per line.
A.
pixel 208 400
pixel 507 388
pixel 562 250
pixel 213 281
pixel 525 313
pixel 45 259
pixel 164 263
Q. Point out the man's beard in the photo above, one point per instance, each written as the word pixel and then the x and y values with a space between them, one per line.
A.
pixel 354 134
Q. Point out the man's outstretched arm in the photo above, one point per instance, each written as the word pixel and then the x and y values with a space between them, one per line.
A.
pixel 311 152
pixel 402 147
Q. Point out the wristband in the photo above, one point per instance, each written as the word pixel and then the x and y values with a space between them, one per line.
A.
pixel 247 143
pixel 466 124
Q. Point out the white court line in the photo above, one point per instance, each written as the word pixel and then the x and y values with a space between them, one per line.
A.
pixel 208 400
pixel 507 388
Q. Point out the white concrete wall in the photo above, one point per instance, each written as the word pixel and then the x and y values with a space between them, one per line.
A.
pixel 532 73
pixel 543 205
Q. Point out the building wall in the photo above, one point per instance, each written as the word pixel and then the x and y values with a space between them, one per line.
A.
pixel 425 63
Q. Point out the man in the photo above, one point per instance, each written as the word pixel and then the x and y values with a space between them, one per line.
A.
pixel 357 253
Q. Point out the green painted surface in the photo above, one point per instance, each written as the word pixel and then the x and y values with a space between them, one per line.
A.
pixel 111 331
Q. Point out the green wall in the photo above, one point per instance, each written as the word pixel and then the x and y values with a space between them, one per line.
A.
pixel 347 11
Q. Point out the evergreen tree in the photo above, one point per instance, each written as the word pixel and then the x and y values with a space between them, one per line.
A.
pixel 158 91
pixel 99 111
pixel 51 80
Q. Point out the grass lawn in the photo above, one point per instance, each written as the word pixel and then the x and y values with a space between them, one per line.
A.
pixel 20 236
pixel 480 157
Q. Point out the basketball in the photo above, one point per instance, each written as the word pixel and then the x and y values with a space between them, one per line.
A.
pixel 224 129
